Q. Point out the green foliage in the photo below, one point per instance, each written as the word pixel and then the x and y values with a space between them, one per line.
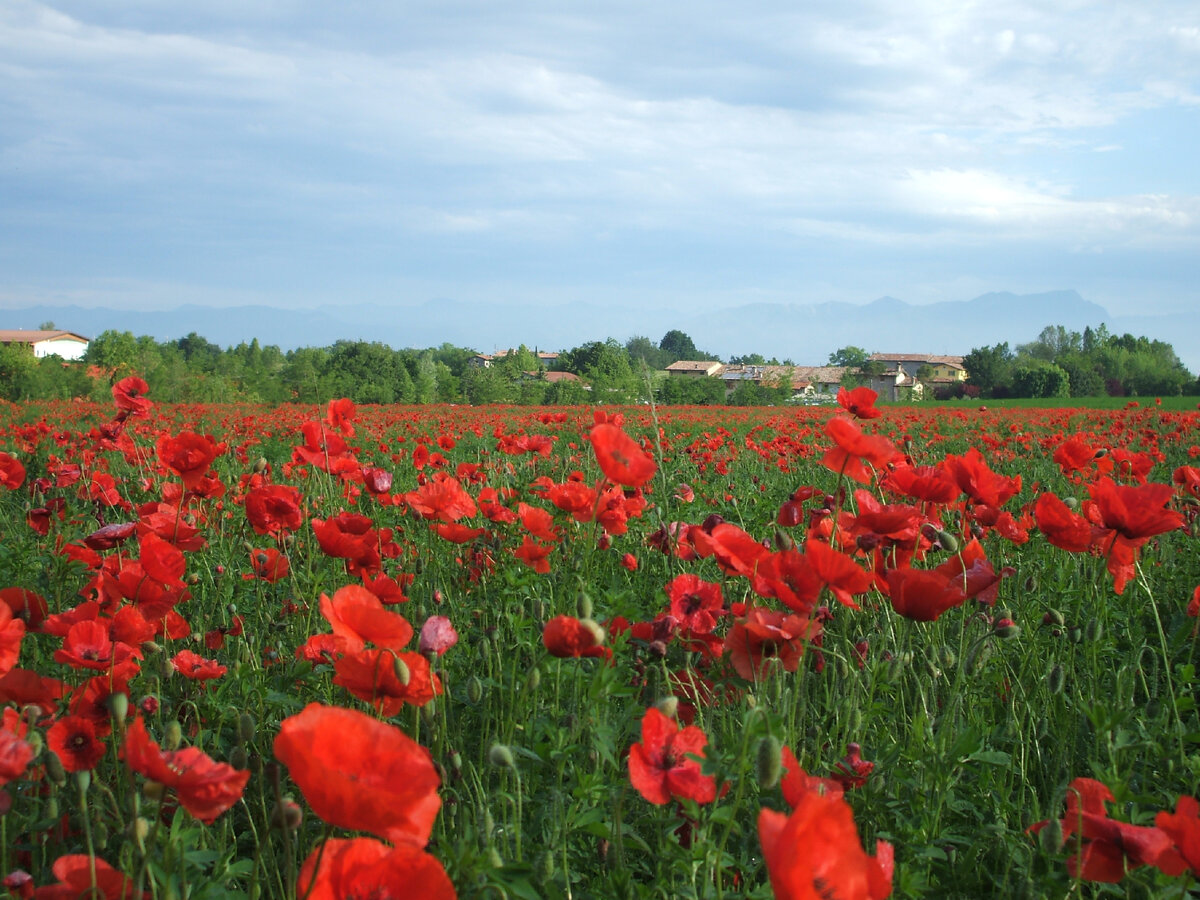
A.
pixel 854 357
pixel 1091 363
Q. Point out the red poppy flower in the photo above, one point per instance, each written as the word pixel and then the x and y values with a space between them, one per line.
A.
pixel 195 667
pixel 12 632
pixel 340 415
pixel 441 498
pixel 161 560
pixel 565 636
pixel 15 756
pixel 357 772
pixel 765 635
pixel 1135 512
pixel 796 782
pixel 188 455
pixel 852 448
pixel 852 770
pixel 534 555
pixel 923 595
pixel 164 520
pixel 1104 848
pixel 696 604
pixel 575 498
pixel 357 616
pixel 22 687
pixel 1183 828
pixel 274 509
pixel 78 873
pixel 859 402
pixel 662 765
pixel 110 535
pixel 387 679
pixel 973 476
pixel 269 564
pixel 12 472
pixel 1062 527
pixel 364 867
pixel 73 740
pixel 621 458
pixel 89 646
pixel 204 787
pixel 538 522
pixel 928 483
pixel 129 397
pixel 816 852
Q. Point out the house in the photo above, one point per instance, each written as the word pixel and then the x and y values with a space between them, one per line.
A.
pixel 485 360
pixel 807 382
pixel 943 369
pixel 66 344
pixel 704 368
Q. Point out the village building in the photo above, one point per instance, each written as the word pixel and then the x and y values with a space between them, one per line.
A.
pixel 43 343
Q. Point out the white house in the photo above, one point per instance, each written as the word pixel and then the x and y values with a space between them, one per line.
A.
pixel 66 344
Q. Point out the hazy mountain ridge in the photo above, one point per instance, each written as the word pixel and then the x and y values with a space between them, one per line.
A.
pixel 805 333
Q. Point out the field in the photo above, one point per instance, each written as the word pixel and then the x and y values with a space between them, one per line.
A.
pixel 570 653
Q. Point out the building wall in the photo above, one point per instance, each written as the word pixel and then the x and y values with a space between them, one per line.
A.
pixel 65 348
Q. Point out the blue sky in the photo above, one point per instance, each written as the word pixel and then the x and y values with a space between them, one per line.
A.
pixel 704 154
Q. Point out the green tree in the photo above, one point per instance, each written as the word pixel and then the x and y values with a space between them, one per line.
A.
pixel 18 371
pixel 678 345
pixel 854 357
pixel 114 351
pixel 990 369
pixel 1036 378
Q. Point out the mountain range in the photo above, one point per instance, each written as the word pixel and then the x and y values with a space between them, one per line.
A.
pixel 804 333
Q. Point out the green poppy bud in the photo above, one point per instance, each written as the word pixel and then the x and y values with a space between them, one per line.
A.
pixel 474 689
pixel 246 728
pixel 173 736
pixel 768 762
pixel 583 605
pixel 54 768
pixel 1056 679
pixel 668 706
pixel 118 707
pixel 400 667
pixel 501 757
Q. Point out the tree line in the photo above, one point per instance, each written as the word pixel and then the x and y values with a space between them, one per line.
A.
pixel 1091 363
pixel 192 369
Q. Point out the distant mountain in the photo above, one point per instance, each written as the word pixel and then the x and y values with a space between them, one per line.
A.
pixel 805 333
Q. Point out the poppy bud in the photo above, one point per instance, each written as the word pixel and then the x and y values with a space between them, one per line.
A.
pixel 768 762
pixel 83 778
pixel 946 657
pixel 501 757
pixel 260 465
pixel 1050 838
pixel 287 814
pixel 1056 679
pixel 149 648
pixel 544 867
pixel 948 541
pixel 1071 503
pixel 1054 617
pixel 783 540
pixel 474 689
pixel 668 706
pixel 173 735
pixel 533 679
pixel 1075 633
pixel 1006 629
pixel 118 706
pixel 54 768
pixel 139 830
pixel 35 742
pixel 494 858
pixel 1094 630
pixel 238 758
pixel 583 605
pixel 246 728
pixel 400 667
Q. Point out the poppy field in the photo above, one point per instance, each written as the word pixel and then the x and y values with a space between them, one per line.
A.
pixel 519 652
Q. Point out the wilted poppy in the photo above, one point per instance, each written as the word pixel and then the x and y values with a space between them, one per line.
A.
pixel 357 772
pixel 437 636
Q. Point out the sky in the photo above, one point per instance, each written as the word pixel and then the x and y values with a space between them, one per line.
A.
pixel 682 155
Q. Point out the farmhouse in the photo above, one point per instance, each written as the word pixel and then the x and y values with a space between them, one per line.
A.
pixel 66 344
pixel 485 360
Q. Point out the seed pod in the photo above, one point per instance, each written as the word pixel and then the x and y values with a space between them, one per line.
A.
pixel 83 778
pixel 1071 503
pixel 768 762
